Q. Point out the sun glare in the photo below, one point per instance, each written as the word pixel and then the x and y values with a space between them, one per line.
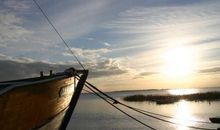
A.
pixel 182 91
pixel 178 62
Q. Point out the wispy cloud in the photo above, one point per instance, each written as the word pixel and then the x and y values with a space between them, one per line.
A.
pixel 22 5
pixel 23 33
pixel 107 44
pixel 210 70
pixel 11 28
pixel 147 73
pixel 88 54
pixel 146 32
pixel 76 21
pixel 144 74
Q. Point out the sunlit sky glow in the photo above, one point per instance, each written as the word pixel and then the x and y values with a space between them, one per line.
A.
pixel 125 44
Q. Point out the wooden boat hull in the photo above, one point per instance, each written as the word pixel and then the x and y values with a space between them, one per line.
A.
pixel 37 106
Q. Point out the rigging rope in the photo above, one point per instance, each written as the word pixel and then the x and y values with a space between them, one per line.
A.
pixel 137 120
pixel 139 110
pixel 65 43
pixel 203 122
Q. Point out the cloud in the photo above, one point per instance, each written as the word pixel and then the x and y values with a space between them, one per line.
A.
pixel 16 37
pixel 144 74
pixel 144 33
pixel 88 54
pixel 11 70
pixel 11 28
pixel 18 59
pixel 23 33
pixel 138 34
pixel 108 67
pixel 18 6
pixel 78 18
pixel 148 26
pixel 143 20
pixel 147 73
pixel 97 41
pixel 17 68
pixel 107 44
pixel 210 70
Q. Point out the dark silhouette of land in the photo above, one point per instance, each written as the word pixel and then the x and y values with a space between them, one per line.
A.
pixel 169 99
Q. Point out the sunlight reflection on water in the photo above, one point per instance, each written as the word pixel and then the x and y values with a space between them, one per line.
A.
pixel 182 91
pixel 184 113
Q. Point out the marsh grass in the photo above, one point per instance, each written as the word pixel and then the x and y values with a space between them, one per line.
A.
pixel 169 99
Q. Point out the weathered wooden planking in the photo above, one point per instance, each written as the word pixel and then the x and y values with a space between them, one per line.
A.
pixel 54 123
pixel 29 107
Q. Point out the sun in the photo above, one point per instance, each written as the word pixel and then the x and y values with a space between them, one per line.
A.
pixel 178 62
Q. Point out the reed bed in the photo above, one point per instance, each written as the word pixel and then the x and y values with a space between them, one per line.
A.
pixel 168 99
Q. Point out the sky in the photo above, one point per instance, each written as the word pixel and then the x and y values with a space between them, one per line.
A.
pixel 126 44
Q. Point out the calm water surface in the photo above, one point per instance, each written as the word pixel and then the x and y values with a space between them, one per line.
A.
pixel 93 113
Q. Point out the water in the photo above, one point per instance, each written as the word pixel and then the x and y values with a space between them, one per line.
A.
pixel 92 113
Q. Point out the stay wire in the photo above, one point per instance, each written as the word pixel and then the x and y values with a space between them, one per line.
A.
pixel 65 43
pixel 142 111
pixel 137 120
